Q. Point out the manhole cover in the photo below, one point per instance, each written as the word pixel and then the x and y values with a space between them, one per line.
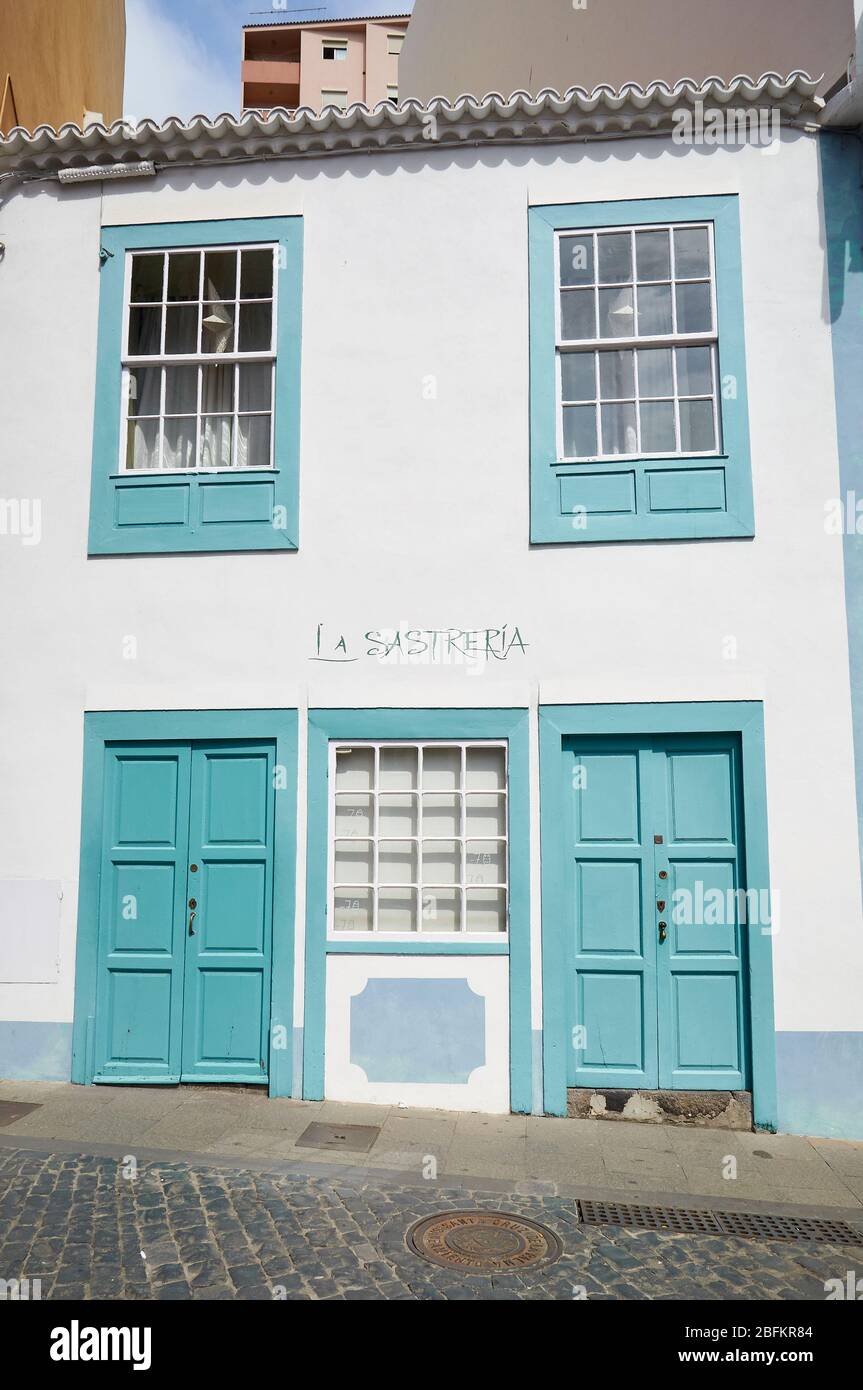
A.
pixel 12 1110
pixel 350 1138
pixel 486 1242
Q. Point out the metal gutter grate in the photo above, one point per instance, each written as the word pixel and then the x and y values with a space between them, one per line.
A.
pixel 647 1218
pixel 752 1225
pixel 737 1223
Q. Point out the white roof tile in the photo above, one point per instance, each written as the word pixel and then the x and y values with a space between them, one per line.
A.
pixel 575 114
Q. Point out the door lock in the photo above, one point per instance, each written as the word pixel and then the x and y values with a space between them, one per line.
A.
pixel 660 903
pixel 663 930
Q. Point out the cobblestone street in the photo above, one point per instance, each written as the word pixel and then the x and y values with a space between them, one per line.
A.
pixel 194 1230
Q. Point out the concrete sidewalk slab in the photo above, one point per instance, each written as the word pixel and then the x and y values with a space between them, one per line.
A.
pixel 632 1160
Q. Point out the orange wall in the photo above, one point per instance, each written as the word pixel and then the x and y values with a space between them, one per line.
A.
pixel 64 57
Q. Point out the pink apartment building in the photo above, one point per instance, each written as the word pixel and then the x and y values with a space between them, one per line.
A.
pixel 332 63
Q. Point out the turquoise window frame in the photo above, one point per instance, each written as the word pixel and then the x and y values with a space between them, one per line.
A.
pixel 559 722
pixel 253 509
pixel 703 497
pixel 186 726
pixel 463 724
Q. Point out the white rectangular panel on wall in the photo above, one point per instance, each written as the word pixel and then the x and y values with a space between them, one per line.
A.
pixel 29 931
pixel 429 1031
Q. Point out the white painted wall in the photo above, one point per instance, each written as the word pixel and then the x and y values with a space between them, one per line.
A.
pixel 487 1087
pixel 415 511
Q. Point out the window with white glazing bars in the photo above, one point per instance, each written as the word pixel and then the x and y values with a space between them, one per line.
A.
pixel 637 360
pixel 418 838
pixel 199 359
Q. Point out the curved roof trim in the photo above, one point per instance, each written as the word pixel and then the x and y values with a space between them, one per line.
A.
pixel 577 113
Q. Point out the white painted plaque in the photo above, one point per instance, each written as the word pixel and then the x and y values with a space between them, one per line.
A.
pixel 29 930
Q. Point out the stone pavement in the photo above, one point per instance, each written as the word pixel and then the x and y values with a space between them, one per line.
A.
pixel 86 1228
pixel 568 1155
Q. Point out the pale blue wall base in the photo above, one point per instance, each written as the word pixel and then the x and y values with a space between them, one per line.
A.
pixel 820 1075
pixel 820 1084
pixel 35 1051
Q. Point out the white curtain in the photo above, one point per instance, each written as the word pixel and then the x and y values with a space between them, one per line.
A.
pixel 217 404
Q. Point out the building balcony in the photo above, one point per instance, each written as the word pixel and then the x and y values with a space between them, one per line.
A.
pixel 271 72
pixel 264 99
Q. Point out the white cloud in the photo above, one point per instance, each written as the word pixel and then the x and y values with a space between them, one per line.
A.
pixel 170 71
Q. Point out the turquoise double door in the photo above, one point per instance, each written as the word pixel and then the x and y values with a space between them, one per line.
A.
pixel 185 913
pixel 656 936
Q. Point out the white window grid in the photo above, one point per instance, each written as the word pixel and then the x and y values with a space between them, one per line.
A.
pixel 201 359
pixel 419 887
pixel 636 341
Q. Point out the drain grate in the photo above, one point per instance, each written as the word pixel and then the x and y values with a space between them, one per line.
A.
pixel 349 1138
pixel 752 1225
pixel 648 1218
pixel 12 1110
pixel 743 1223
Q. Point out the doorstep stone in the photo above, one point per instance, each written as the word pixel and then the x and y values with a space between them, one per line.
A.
pixel 700 1109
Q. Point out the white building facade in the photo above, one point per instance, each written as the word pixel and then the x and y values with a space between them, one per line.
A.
pixel 425 663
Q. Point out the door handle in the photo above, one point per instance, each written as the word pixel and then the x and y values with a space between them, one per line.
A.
pixel 192 916
pixel 663 930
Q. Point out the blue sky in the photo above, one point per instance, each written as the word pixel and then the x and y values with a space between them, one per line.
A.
pixel 183 56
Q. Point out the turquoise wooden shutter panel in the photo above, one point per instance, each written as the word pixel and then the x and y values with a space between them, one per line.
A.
pixel 700 968
pixel 612 960
pixel 143 879
pixel 227 987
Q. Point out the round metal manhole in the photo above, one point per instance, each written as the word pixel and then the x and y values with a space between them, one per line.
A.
pixel 483 1242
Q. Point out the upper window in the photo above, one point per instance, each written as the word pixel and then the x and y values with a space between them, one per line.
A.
pixel 331 98
pixel 395 44
pixel 393 94
pixel 639 420
pixel 197 419
pixel 199 359
pixel 620 288
pixel 335 50
pixel 418 838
